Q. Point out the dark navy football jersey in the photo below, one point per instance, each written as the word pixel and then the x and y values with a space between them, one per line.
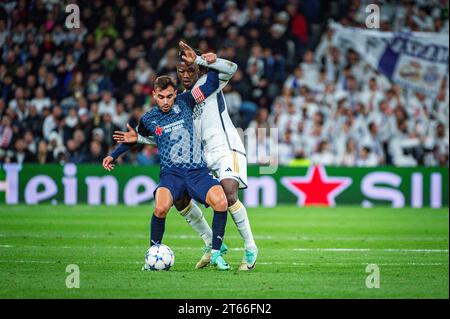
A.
pixel 174 134
pixel 173 131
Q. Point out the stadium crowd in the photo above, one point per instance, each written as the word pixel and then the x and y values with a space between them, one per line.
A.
pixel 64 91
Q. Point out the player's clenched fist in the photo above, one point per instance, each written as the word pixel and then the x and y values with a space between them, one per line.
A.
pixel 209 57
pixel 189 54
pixel 108 163
pixel 126 137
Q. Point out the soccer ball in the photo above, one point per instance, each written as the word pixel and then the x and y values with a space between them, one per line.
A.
pixel 159 257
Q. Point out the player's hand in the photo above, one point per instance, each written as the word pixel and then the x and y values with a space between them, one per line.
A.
pixel 108 163
pixel 126 137
pixel 189 55
pixel 209 57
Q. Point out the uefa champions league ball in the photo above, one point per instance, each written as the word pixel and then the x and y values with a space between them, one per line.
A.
pixel 159 257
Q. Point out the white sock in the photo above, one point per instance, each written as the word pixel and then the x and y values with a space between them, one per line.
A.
pixel 239 214
pixel 195 218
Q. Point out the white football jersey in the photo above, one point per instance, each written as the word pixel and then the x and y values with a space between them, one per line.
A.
pixel 211 119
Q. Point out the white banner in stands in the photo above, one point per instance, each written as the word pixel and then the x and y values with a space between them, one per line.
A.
pixel 416 60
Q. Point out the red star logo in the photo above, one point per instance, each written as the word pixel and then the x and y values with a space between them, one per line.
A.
pixel 158 130
pixel 316 188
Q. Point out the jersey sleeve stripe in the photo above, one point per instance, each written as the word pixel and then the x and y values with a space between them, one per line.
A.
pixel 198 95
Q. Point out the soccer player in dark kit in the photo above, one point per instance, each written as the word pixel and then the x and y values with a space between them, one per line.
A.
pixel 183 168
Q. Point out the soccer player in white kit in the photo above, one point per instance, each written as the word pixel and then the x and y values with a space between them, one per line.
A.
pixel 223 151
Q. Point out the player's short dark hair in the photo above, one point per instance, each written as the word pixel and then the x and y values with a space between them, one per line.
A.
pixel 163 82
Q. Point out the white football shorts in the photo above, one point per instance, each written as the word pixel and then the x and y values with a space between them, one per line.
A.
pixel 228 164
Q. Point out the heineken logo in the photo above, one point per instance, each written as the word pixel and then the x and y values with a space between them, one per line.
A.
pixel 72 184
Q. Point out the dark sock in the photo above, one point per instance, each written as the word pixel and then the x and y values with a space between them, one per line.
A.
pixel 218 229
pixel 157 228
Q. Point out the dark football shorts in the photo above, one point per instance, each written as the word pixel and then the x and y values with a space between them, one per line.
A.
pixel 195 182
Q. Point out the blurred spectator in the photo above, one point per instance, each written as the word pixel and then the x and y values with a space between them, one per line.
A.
pixel 349 155
pixel 95 154
pixel 22 154
pixel 323 155
pixel 51 121
pixel 366 157
pixel 107 104
pixel 40 100
pixel 43 156
pixel 286 149
pixel 6 132
pixel 148 155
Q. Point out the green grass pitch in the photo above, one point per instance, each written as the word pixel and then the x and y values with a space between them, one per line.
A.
pixel 304 253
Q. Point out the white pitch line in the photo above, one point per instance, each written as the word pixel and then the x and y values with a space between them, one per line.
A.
pixel 373 249
pixel 419 250
pixel 257 237
pixel 347 264
pixel 259 263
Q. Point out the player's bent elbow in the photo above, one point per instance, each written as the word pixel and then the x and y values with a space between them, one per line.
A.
pixel 233 69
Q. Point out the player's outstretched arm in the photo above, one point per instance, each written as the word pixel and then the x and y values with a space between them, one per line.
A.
pixel 146 140
pixel 200 93
pixel 126 137
pixel 224 67
pixel 126 141
pixel 132 136
pixel 122 148
pixel 108 161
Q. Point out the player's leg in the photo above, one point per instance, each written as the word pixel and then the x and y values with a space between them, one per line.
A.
pixel 216 198
pixel 239 215
pixel 231 168
pixel 194 217
pixel 171 187
pixel 207 190
pixel 163 202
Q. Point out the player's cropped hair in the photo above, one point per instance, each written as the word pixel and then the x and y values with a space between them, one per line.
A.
pixel 163 82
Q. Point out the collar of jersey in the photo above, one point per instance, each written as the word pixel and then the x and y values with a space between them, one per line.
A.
pixel 160 111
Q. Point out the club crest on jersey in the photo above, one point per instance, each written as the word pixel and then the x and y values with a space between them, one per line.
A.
pixel 176 109
pixel 158 130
